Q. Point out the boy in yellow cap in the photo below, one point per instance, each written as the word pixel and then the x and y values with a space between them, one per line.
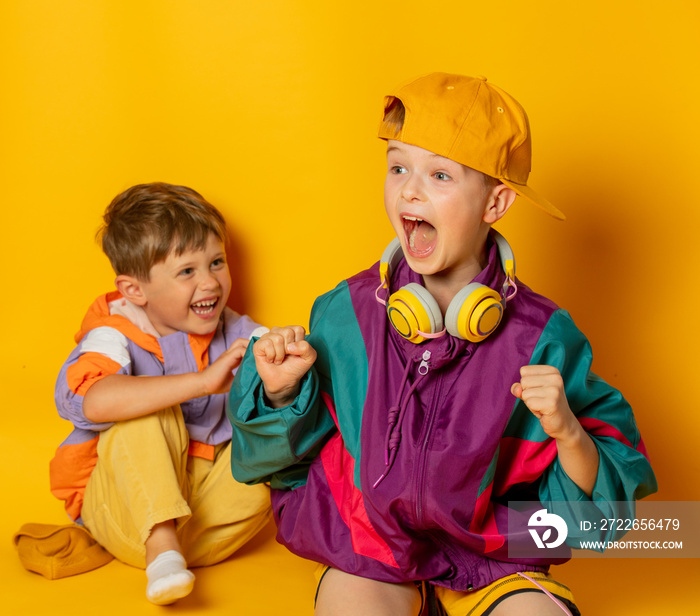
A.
pixel 435 390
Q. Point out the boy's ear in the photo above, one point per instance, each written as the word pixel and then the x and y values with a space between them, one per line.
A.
pixel 131 288
pixel 499 202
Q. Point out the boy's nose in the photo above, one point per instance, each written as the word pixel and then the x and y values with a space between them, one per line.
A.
pixel 209 281
pixel 412 188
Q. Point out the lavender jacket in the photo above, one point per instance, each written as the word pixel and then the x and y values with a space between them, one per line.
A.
pixel 111 343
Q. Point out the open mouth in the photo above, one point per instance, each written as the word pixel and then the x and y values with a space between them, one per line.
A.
pixel 205 307
pixel 420 235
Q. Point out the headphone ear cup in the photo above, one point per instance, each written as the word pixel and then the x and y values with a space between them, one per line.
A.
pixel 474 313
pixel 411 310
pixel 390 260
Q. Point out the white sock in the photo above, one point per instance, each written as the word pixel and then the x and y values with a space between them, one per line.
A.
pixel 169 579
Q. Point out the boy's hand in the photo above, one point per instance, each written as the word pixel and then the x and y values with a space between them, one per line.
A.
pixel 118 397
pixel 218 376
pixel 282 358
pixel 541 388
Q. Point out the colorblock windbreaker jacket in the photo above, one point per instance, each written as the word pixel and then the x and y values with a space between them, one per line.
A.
pixel 113 339
pixel 397 461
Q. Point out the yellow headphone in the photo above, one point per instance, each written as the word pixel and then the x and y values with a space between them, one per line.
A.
pixel 474 312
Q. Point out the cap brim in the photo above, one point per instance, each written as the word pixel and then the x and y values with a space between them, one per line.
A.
pixel 530 195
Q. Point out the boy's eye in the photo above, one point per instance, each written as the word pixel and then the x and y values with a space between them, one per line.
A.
pixel 186 272
pixel 217 263
pixel 441 175
pixel 396 169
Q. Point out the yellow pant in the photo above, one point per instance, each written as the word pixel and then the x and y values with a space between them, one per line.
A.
pixel 144 476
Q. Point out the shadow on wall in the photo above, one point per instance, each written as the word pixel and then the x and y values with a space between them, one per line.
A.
pixel 240 289
pixel 606 268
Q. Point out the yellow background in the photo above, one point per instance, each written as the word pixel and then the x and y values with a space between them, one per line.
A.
pixel 270 109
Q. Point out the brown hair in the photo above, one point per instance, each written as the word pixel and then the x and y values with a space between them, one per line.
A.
pixel 394 118
pixel 146 222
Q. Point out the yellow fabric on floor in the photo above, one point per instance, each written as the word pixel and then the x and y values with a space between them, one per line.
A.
pixel 57 551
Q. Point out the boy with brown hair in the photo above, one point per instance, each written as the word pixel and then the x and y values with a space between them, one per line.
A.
pixel 435 390
pixel 146 468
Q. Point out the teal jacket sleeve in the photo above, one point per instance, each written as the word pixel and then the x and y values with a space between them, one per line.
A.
pixel 274 445
pixel 624 472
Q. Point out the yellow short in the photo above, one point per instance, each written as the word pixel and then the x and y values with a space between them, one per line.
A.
pixel 480 602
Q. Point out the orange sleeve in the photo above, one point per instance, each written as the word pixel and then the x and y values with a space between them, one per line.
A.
pixel 69 472
pixel 90 368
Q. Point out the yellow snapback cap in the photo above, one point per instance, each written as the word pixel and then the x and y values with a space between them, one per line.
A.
pixel 470 121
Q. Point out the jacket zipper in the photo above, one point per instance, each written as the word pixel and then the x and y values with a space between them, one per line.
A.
pixel 423 368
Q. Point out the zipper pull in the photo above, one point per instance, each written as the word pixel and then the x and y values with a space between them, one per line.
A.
pixel 424 366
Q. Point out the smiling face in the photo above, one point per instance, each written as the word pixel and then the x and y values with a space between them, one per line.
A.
pixel 440 212
pixel 186 292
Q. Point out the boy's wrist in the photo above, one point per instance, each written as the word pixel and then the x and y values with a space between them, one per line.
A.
pixel 572 437
pixel 278 400
pixel 202 387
